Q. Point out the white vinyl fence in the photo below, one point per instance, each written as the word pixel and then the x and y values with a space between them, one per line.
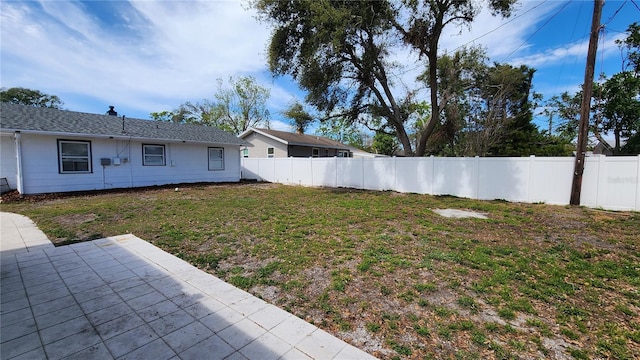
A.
pixel 608 182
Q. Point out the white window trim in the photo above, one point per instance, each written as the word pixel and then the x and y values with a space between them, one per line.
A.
pixel 245 153
pixel 144 155
pixel 209 158
pixel 61 157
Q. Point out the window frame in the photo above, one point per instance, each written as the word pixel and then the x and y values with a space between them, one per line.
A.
pixel 245 152
pixel 144 154
pixel 209 158
pixel 315 152
pixel 271 152
pixel 61 157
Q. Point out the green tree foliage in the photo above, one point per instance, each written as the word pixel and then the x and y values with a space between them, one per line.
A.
pixel 621 107
pixel 457 74
pixel 563 113
pixel 338 51
pixel 385 144
pixel 344 131
pixel 238 106
pixel 631 45
pixel 615 103
pixel 426 20
pixel 299 117
pixel 35 98
pixel 486 110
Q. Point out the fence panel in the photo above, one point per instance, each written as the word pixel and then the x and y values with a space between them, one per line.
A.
pixel 414 175
pixel 608 182
pixel 503 178
pixel 350 173
pixel 612 183
pixel 301 171
pixel 551 180
pixel 379 174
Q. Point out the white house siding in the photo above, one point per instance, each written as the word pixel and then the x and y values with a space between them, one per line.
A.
pixel 185 163
pixel 8 165
pixel 261 143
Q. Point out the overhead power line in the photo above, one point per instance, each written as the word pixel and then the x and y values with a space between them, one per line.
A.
pixel 537 30
pixel 506 23
pixel 615 13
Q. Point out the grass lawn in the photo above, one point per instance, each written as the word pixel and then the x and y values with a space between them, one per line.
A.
pixel 384 272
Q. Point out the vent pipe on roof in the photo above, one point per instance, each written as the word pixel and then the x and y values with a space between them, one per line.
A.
pixel 111 111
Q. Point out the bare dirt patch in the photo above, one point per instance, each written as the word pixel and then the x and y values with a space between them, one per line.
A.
pixel 75 219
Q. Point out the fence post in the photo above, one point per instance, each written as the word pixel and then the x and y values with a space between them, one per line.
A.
pixel 433 173
pixel 395 174
pixel 638 186
pixel 600 180
pixel 335 158
pixel 477 187
pixel 532 160
pixel 362 173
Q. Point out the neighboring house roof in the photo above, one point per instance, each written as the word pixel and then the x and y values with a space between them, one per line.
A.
pixel 27 119
pixel 288 138
pixel 297 139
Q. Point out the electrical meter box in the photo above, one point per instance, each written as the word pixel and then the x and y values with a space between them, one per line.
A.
pixel 116 161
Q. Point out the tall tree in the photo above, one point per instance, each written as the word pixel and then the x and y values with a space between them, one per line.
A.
pixel 237 106
pixel 344 131
pixel 385 144
pixel 631 46
pixel 241 105
pixel 338 51
pixel 621 108
pixel 300 118
pixel 35 98
pixel 621 94
pixel 426 20
pixel 458 75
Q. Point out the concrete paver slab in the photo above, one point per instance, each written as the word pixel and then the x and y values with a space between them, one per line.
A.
pixel 122 297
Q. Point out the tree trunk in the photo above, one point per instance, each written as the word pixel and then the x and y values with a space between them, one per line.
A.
pixel 435 109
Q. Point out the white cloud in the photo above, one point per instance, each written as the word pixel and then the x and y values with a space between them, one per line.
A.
pixel 500 36
pixel 172 51
pixel 557 55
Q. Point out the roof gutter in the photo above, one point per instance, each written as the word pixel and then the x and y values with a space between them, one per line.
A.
pixel 320 146
pixel 117 137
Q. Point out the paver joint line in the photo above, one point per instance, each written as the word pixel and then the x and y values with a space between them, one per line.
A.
pixel 122 296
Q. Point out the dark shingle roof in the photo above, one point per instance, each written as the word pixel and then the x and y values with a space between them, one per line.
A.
pixel 304 140
pixel 45 120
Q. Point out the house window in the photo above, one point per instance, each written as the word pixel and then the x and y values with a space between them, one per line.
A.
pixel 216 158
pixel 270 152
pixel 74 157
pixel 153 155
pixel 315 152
pixel 343 153
pixel 245 153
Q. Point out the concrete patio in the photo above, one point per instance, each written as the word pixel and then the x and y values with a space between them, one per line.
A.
pixel 123 298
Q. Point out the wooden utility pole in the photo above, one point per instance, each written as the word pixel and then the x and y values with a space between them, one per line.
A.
pixel 585 107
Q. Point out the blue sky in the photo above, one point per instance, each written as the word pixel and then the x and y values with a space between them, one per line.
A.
pixel 144 56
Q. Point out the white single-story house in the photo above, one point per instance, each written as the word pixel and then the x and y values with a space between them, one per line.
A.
pixel 267 143
pixel 45 150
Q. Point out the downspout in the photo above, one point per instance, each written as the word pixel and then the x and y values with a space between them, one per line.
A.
pixel 19 180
